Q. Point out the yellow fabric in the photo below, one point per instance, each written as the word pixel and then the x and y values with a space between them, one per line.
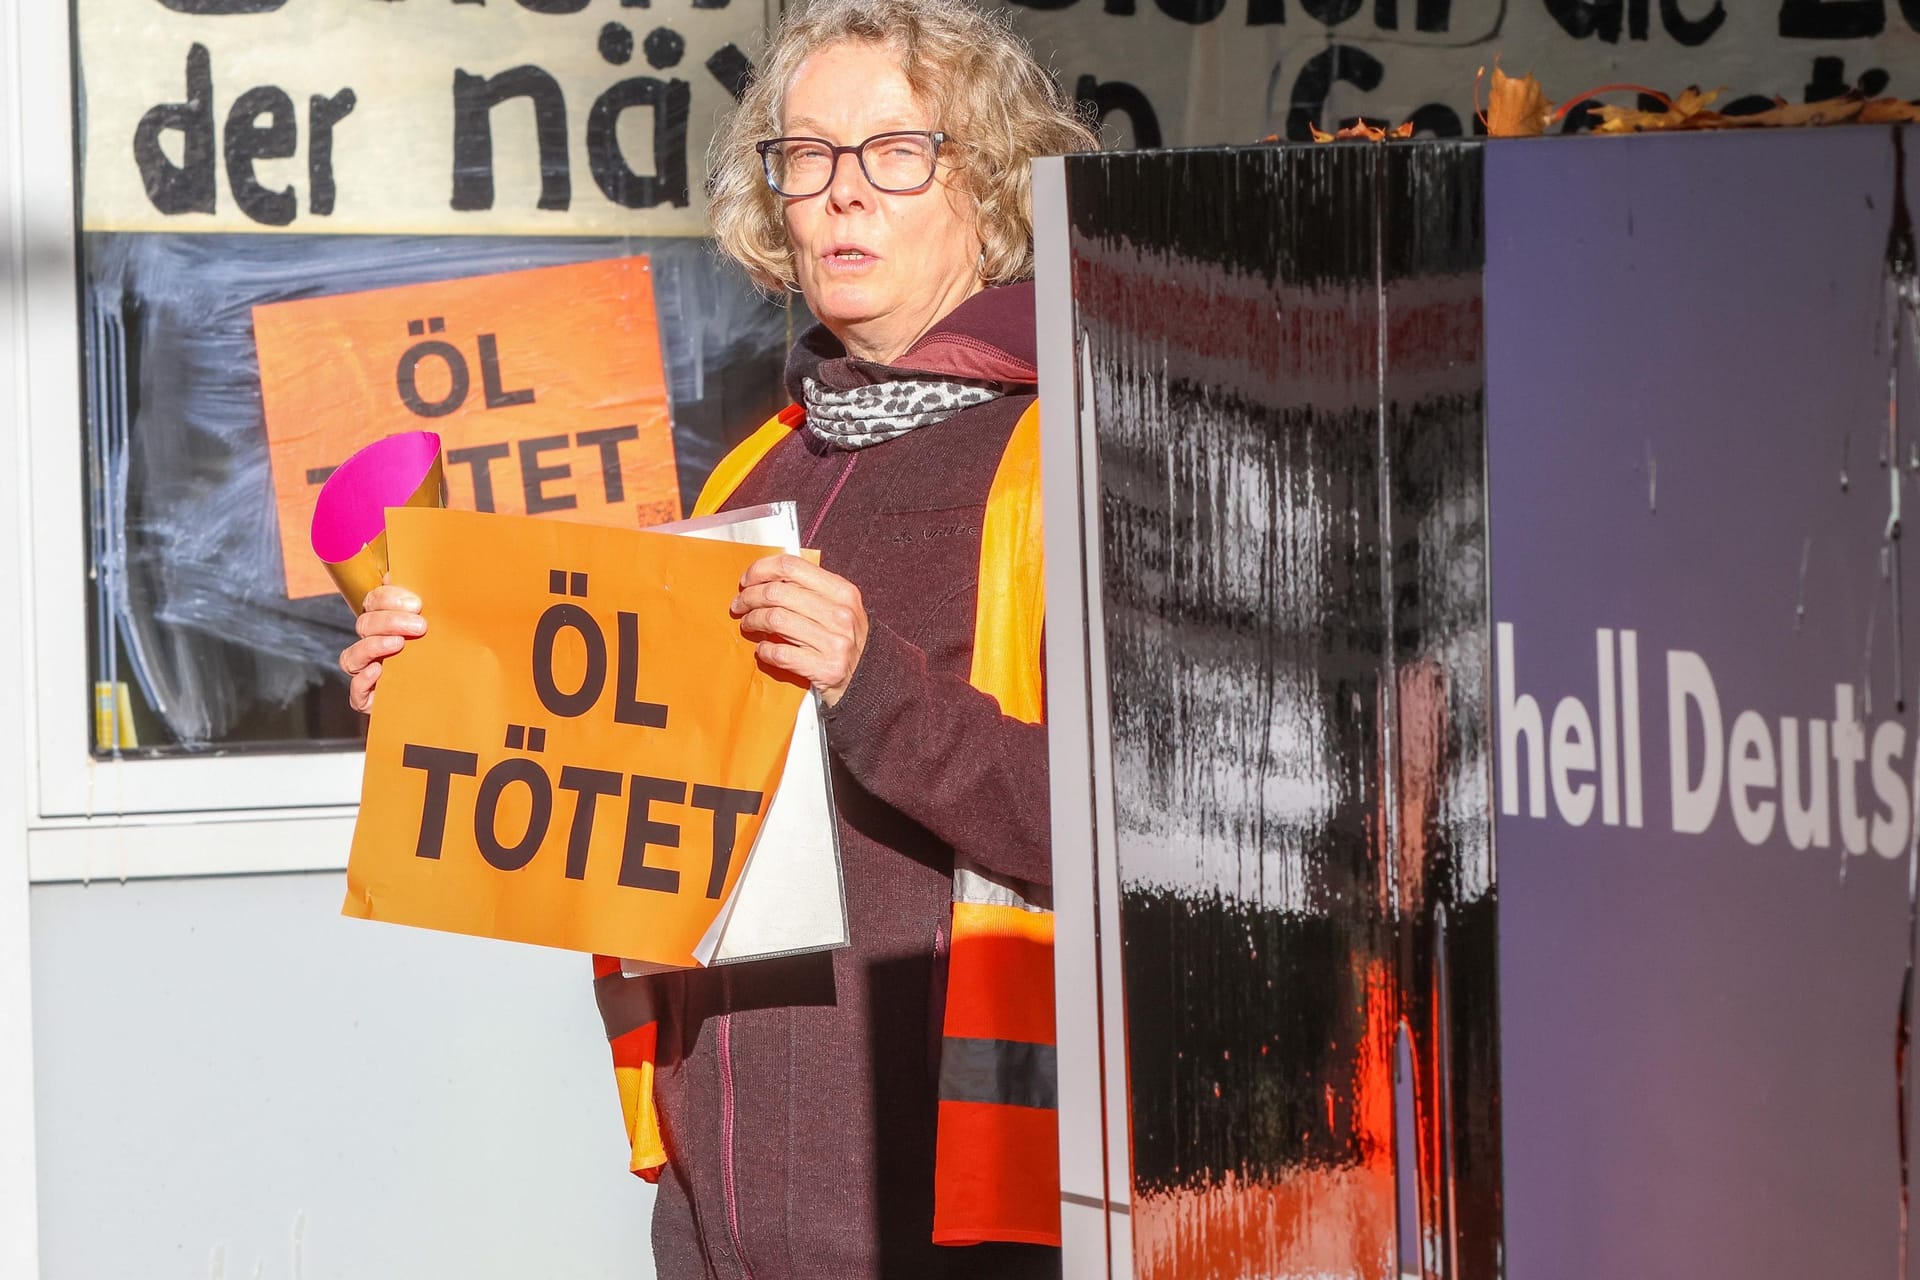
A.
pixel 1008 625
pixel 643 1120
pixel 974 919
pixel 733 468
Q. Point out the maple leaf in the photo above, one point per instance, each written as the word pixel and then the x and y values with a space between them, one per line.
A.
pixel 1517 107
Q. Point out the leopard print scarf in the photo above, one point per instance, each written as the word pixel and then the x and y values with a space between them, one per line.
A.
pixel 881 411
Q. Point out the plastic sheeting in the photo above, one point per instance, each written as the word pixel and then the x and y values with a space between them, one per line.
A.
pixel 189 596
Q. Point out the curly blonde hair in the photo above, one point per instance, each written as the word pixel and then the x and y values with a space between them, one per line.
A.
pixel 986 90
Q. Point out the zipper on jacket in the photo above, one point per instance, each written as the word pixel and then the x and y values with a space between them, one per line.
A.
pixel 726 1129
pixel 853 456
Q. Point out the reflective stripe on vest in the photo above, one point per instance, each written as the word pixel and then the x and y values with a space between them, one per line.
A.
pixel 997 1162
pixel 997 1157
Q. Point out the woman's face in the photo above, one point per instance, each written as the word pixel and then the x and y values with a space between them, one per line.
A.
pixel 878 269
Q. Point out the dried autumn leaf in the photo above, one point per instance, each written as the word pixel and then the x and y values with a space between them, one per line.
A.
pixel 1688 111
pixel 1626 119
pixel 1889 111
pixel 1787 115
pixel 1361 129
pixel 1693 102
pixel 1517 107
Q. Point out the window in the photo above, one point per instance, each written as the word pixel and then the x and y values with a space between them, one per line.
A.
pixel 238 156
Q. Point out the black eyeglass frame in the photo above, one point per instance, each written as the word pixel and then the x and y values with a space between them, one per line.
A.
pixel 859 152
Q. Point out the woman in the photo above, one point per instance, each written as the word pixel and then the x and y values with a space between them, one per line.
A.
pixel 879 167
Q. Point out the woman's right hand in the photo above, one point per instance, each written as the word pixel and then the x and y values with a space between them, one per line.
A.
pixel 391 618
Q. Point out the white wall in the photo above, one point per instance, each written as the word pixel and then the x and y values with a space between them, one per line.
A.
pixel 234 1080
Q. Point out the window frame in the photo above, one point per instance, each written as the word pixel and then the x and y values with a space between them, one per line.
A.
pixel 68 782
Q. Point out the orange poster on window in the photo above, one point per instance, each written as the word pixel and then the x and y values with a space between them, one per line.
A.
pixel 546 386
pixel 581 749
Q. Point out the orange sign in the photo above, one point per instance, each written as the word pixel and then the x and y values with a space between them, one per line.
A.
pixel 581 749
pixel 546 386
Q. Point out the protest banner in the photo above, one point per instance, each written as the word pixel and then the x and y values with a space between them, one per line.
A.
pixel 580 751
pixel 543 117
pixel 526 119
pixel 546 386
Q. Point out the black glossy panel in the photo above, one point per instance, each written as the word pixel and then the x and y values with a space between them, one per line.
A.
pixel 1435 445
pixel 1294 586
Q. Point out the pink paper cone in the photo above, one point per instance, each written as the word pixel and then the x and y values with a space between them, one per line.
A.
pixel 350 515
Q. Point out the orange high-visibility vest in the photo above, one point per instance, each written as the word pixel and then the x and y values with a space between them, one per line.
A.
pixel 997 1154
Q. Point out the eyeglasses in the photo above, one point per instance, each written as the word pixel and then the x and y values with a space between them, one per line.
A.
pixel 895 162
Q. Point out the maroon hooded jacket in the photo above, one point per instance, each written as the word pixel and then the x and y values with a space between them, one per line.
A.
pixel 798 1096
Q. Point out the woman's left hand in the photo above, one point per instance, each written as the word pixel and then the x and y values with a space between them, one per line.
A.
pixel 808 622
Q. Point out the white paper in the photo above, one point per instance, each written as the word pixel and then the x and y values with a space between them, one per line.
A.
pixel 790 898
